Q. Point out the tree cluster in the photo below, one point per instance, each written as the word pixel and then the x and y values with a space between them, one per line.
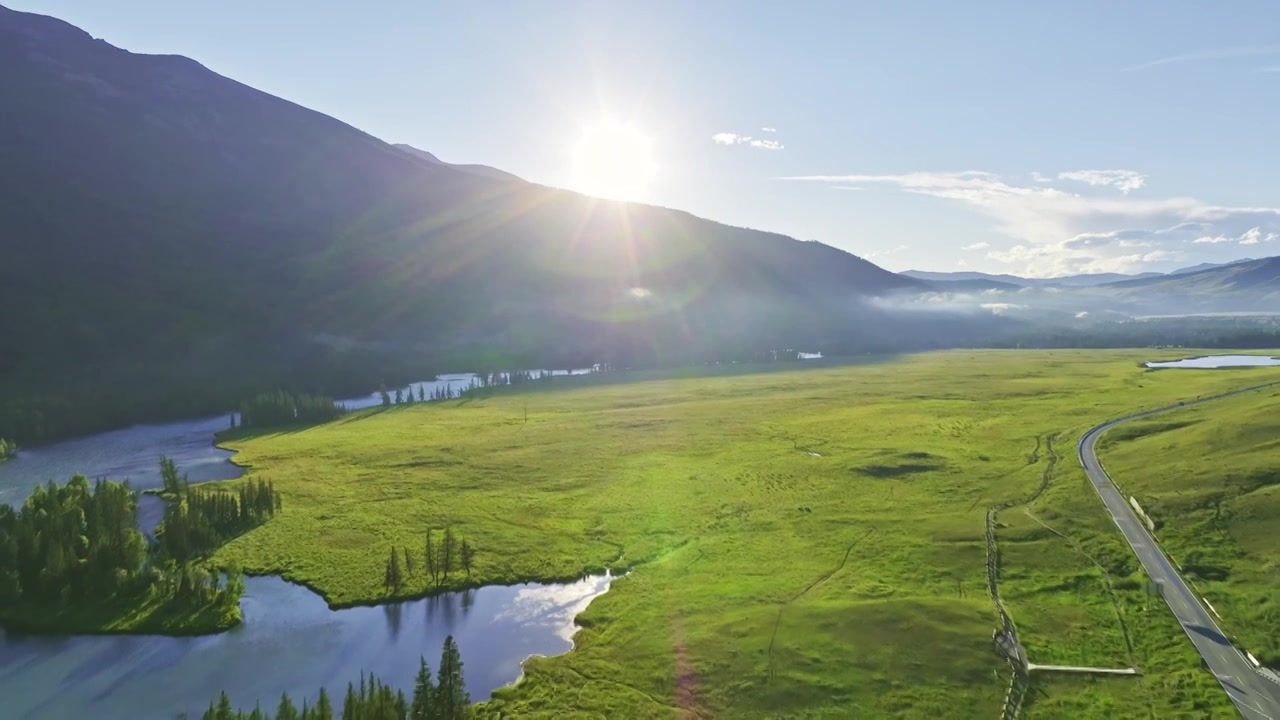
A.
pixel 77 544
pixel 71 543
pixel 282 408
pixel 444 699
pixel 202 520
pixel 7 449
pixel 438 560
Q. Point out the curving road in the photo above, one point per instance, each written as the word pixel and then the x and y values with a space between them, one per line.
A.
pixel 1256 697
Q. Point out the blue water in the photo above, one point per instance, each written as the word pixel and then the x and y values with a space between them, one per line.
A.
pixel 1218 361
pixel 290 641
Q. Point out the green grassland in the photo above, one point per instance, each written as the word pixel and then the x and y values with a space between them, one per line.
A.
pixel 1209 477
pixel 805 543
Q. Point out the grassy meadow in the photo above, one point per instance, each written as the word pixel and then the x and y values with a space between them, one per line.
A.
pixel 805 543
pixel 1209 477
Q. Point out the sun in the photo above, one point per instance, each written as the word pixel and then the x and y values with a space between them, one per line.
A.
pixel 613 160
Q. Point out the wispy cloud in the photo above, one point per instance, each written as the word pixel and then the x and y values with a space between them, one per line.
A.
pixel 1057 232
pixel 728 138
pixel 1211 54
pixel 1037 177
pixel 1123 180
pixel 768 129
pixel 889 251
pixel 977 246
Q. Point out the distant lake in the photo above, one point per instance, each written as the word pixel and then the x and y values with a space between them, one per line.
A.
pixel 290 641
pixel 1218 361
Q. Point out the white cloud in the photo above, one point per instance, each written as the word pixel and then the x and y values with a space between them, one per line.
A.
pixel 1037 177
pixel 1122 180
pixel 977 246
pixel 1213 54
pixel 768 129
pixel 1253 236
pixel 1082 314
pixel 882 253
pixel 728 138
pixel 1213 240
pixel 1058 232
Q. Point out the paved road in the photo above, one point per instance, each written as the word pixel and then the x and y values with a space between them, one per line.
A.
pixel 1256 697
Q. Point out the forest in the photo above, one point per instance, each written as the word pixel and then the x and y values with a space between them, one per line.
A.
pixel 73 560
pixel 444 699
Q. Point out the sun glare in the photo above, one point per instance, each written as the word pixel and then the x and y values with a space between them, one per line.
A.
pixel 613 160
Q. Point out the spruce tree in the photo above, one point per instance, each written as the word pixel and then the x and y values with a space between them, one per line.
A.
pixel 423 693
pixel 468 554
pixel 399 396
pixel 451 698
pixel 324 708
pixel 393 578
pixel 286 710
pixel 429 558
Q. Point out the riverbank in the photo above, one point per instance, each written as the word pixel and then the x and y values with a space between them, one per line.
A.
pixel 139 615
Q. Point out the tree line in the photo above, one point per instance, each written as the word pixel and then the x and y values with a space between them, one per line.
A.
pixel 200 521
pixel 444 699
pixel 438 560
pixel 282 408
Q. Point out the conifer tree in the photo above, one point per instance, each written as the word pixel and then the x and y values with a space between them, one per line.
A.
pixel 399 396
pixel 423 693
pixel 432 563
pixel 286 709
pixel 468 554
pixel 451 698
pixel 446 552
pixel 324 708
pixel 393 578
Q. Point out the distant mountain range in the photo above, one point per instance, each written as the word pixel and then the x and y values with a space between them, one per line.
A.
pixel 961 281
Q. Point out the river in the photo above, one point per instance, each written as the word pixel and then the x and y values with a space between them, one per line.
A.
pixel 290 641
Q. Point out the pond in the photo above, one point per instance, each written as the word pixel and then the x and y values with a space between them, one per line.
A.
pixel 290 641
pixel 1218 361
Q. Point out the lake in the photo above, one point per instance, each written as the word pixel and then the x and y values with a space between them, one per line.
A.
pixel 291 640
pixel 1218 361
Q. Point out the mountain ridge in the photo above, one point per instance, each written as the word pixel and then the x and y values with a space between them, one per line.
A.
pixel 177 239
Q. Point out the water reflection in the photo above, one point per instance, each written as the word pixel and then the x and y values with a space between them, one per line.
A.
pixel 291 641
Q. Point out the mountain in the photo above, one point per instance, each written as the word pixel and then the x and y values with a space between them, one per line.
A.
pixel 1207 266
pixel 483 170
pixel 174 240
pixel 1250 284
pixel 1086 280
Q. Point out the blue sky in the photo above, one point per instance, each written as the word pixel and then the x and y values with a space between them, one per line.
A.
pixel 1031 137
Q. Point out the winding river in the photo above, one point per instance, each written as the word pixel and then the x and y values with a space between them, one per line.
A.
pixel 290 641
